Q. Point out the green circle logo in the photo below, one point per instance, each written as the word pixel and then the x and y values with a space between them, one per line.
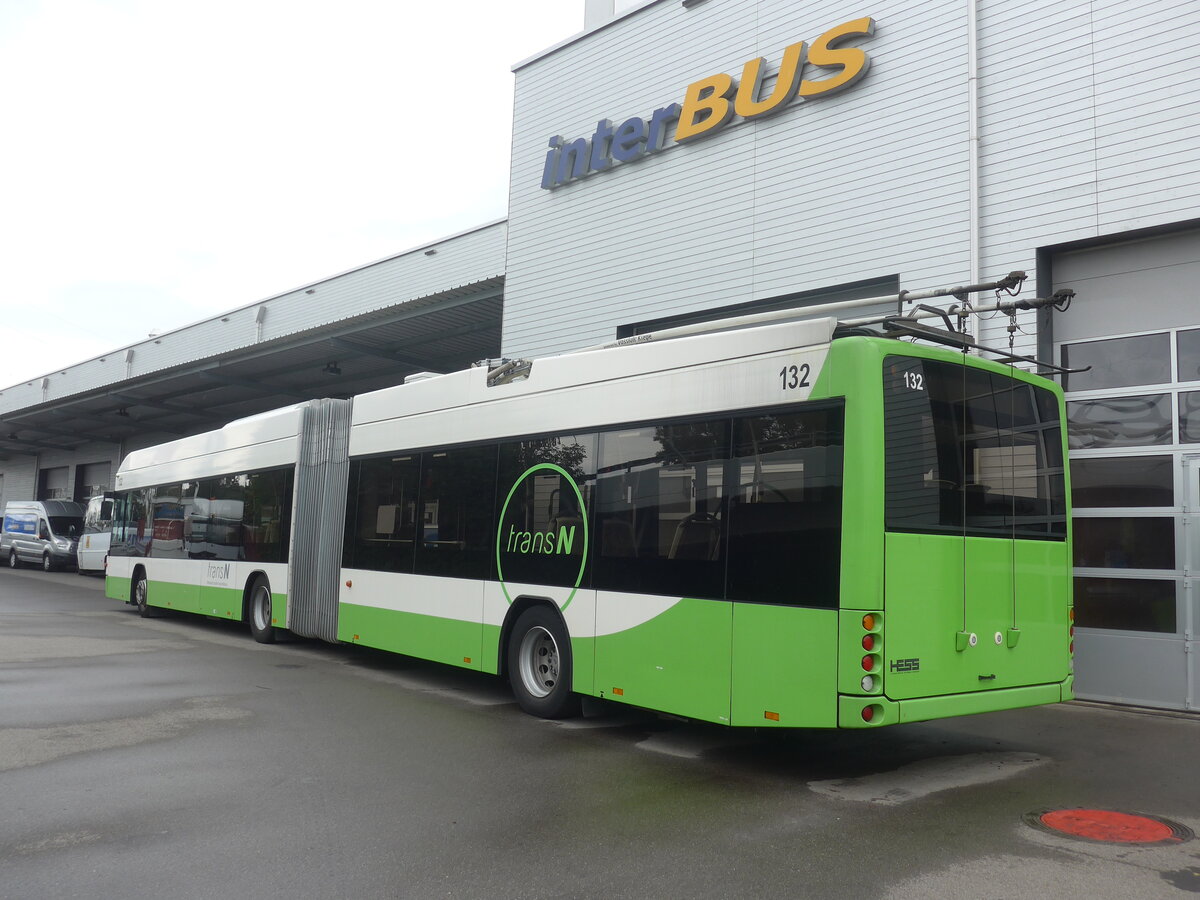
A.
pixel 546 534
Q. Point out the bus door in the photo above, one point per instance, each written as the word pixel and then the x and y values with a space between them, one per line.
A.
pixel 975 550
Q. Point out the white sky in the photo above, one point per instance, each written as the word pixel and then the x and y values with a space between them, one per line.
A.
pixel 164 160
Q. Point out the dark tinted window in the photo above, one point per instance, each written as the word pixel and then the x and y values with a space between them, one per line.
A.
pixel 543 513
pixel 1119 422
pixel 266 516
pixel 660 509
pixel 66 526
pixel 785 508
pixel 1123 481
pixel 1128 604
pixel 1125 543
pixel 970 451
pixel 1118 362
pixel 455 513
pixel 382 514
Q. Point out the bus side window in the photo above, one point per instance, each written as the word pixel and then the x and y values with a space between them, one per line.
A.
pixel 544 512
pixel 660 509
pixel 456 514
pixel 381 513
pixel 785 518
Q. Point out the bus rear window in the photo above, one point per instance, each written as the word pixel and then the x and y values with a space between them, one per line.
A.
pixel 969 451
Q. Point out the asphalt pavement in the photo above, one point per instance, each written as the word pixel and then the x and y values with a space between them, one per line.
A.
pixel 174 757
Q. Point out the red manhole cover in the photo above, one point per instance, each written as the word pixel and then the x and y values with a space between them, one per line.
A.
pixel 1110 826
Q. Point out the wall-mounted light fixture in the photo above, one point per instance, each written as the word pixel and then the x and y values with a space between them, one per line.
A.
pixel 310 291
pixel 430 252
pixel 332 368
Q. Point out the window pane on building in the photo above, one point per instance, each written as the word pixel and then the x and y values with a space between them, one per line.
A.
pixel 1125 543
pixel 1119 422
pixel 1123 481
pixel 1189 417
pixel 1189 355
pixel 1128 604
pixel 1119 362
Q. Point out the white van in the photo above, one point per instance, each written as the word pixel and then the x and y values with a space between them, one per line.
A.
pixel 97 534
pixel 44 532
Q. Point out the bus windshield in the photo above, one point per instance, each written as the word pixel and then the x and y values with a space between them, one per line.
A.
pixel 971 452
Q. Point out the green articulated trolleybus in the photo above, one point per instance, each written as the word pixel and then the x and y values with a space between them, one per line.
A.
pixel 755 522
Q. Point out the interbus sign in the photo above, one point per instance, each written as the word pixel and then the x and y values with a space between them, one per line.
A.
pixel 711 103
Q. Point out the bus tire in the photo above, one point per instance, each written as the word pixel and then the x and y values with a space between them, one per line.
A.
pixel 14 561
pixel 539 665
pixel 140 594
pixel 258 611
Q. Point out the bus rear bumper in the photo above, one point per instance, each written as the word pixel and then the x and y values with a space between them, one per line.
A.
pixel 923 709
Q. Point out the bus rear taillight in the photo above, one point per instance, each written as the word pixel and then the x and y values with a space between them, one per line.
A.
pixel 872 662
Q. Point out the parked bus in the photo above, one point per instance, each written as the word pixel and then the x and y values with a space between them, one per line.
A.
pixel 97 525
pixel 788 525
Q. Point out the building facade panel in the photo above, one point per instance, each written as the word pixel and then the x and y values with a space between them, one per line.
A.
pixel 1135 460
pixel 796 200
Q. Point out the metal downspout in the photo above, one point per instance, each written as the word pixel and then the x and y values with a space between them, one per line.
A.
pixel 973 150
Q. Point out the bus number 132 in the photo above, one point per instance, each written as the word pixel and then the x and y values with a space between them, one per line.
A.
pixel 794 377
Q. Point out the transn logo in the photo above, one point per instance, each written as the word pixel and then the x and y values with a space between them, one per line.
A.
pixel 906 665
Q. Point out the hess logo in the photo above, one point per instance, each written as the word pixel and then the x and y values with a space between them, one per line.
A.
pixel 806 71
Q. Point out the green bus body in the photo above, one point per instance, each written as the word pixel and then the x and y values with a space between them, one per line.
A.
pixel 946 623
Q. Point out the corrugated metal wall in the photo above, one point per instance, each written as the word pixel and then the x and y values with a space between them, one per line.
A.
pixel 20 478
pixel 1086 128
pixel 20 474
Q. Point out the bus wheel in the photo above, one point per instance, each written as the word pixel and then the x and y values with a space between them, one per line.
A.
pixel 539 665
pixel 140 595
pixel 260 611
pixel 46 564
pixel 13 561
